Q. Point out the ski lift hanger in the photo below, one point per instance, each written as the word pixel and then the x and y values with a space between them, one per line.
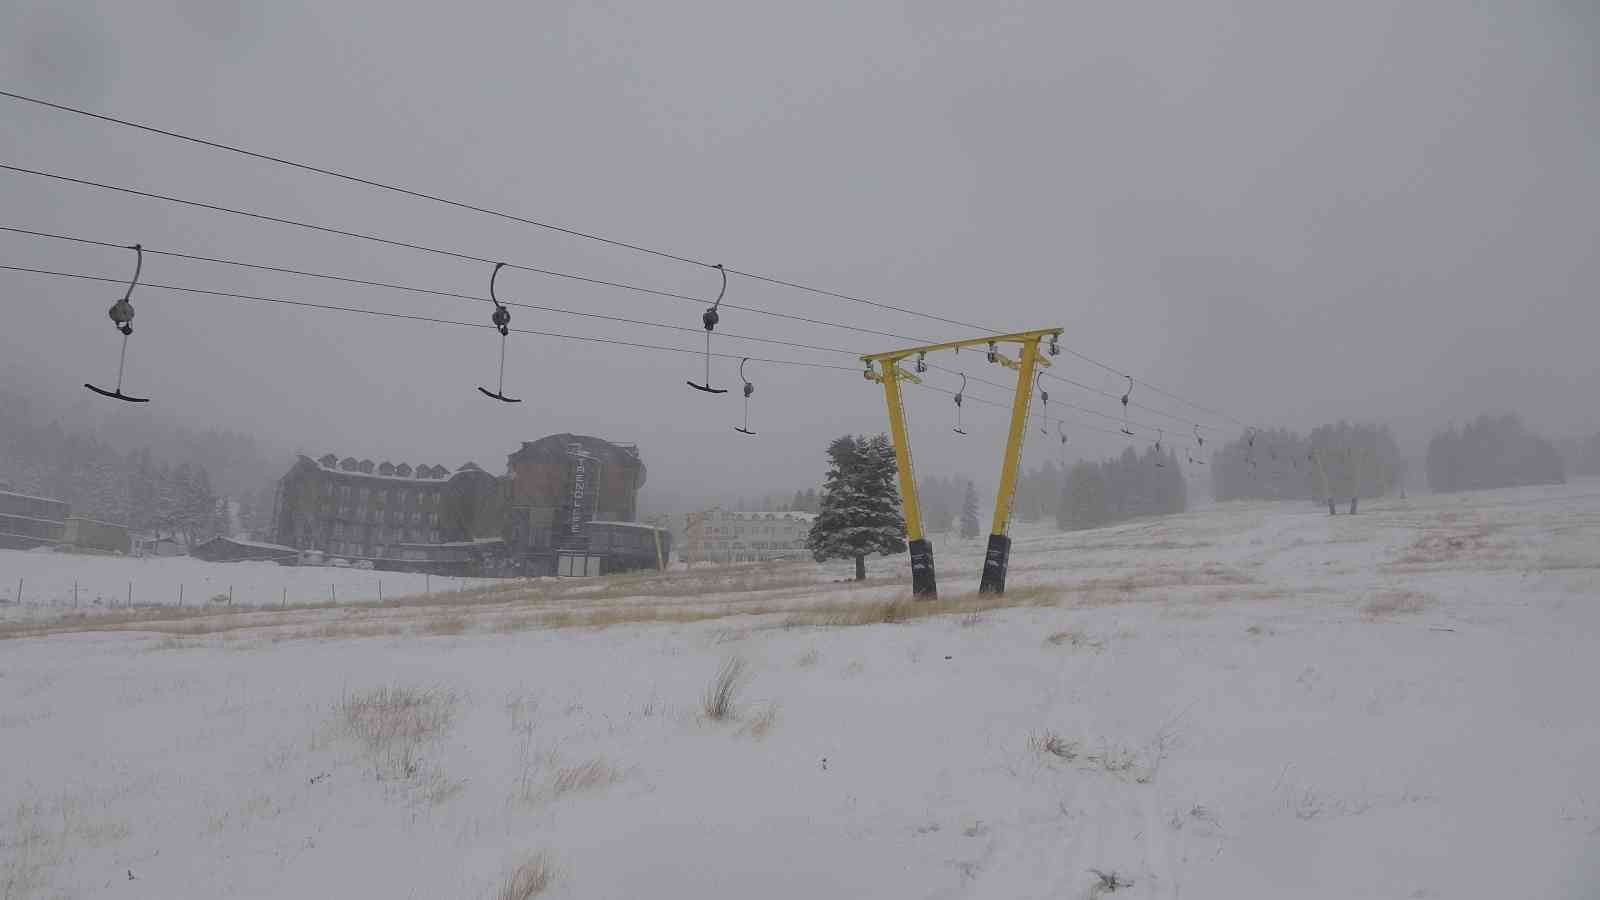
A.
pixel 749 388
pixel 709 319
pixel 960 393
pixel 502 322
pixel 121 314
pixel 1125 395
pixel 1044 401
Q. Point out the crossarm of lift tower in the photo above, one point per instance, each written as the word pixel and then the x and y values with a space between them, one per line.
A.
pixel 1020 337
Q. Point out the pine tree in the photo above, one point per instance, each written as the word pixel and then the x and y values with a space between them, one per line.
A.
pixel 969 513
pixel 860 509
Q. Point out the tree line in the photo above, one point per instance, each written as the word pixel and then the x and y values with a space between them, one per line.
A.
pixel 99 481
pixel 1341 461
pixel 1491 452
pixel 1131 484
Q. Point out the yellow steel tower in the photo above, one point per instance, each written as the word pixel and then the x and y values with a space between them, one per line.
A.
pixel 889 374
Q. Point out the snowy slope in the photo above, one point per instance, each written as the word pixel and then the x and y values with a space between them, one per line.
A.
pixel 1251 701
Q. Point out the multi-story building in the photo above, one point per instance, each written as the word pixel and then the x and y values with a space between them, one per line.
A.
pixel 355 508
pixel 720 535
pixel 555 497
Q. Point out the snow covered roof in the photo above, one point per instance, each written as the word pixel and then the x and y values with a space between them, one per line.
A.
pixel 31 497
pixel 417 476
pixel 261 545
pixel 778 516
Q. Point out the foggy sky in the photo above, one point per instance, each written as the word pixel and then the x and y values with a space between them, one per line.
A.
pixel 1293 213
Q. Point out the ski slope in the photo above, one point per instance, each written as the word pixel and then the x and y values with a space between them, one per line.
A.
pixel 1248 701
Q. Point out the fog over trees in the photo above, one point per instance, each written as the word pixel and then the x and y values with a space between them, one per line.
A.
pixel 1491 452
pixel 1336 461
pixel 1132 484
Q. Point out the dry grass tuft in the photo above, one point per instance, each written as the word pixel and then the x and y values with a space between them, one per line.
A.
pixel 761 725
pixel 1053 744
pixel 807 659
pixel 1077 640
pixel 1107 883
pixel 530 879
pixel 721 698
pixel 1393 603
pixel 392 722
pixel 596 773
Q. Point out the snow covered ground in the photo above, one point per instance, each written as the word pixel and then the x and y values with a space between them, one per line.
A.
pixel 1250 701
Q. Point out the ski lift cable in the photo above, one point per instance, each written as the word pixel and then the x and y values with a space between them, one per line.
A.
pixel 408 245
pixel 306 304
pixel 572 232
pixel 305 273
pixel 455 254
pixel 484 210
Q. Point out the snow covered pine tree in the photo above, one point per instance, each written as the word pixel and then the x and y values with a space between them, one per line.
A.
pixel 860 511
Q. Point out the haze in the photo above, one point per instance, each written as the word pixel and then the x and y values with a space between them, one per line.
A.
pixel 1291 213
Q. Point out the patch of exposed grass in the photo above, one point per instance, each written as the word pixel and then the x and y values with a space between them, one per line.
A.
pixel 903 608
pixel 1395 603
pixel 392 722
pixel 1076 640
pixel 449 625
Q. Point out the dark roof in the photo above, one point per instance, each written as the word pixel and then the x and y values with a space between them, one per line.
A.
pixel 558 447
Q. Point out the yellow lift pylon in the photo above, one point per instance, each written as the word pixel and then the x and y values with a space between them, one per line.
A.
pixel 924 584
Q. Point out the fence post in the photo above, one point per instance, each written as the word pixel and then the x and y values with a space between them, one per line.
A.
pixel 333 596
pixel 427 582
pixel 74 593
pixel 230 595
pixel 380 590
pixel 180 593
pixel 130 595
pixel 19 591
pixel 285 602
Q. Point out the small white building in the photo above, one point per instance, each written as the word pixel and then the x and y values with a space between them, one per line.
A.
pixel 720 535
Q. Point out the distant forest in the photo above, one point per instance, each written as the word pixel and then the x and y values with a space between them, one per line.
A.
pixel 1582 455
pixel 151 476
pixel 1493 452
pixel 1338 461
pixel 1132 484
pixel 941 500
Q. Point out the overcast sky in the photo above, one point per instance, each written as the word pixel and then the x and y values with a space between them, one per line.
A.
pixel 1289 212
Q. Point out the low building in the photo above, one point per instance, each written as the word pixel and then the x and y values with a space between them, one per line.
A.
pixel 227 549
pixel 27 521
pixel 629 546
pixel 84 533
pixel 720 535
pixel 154 545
